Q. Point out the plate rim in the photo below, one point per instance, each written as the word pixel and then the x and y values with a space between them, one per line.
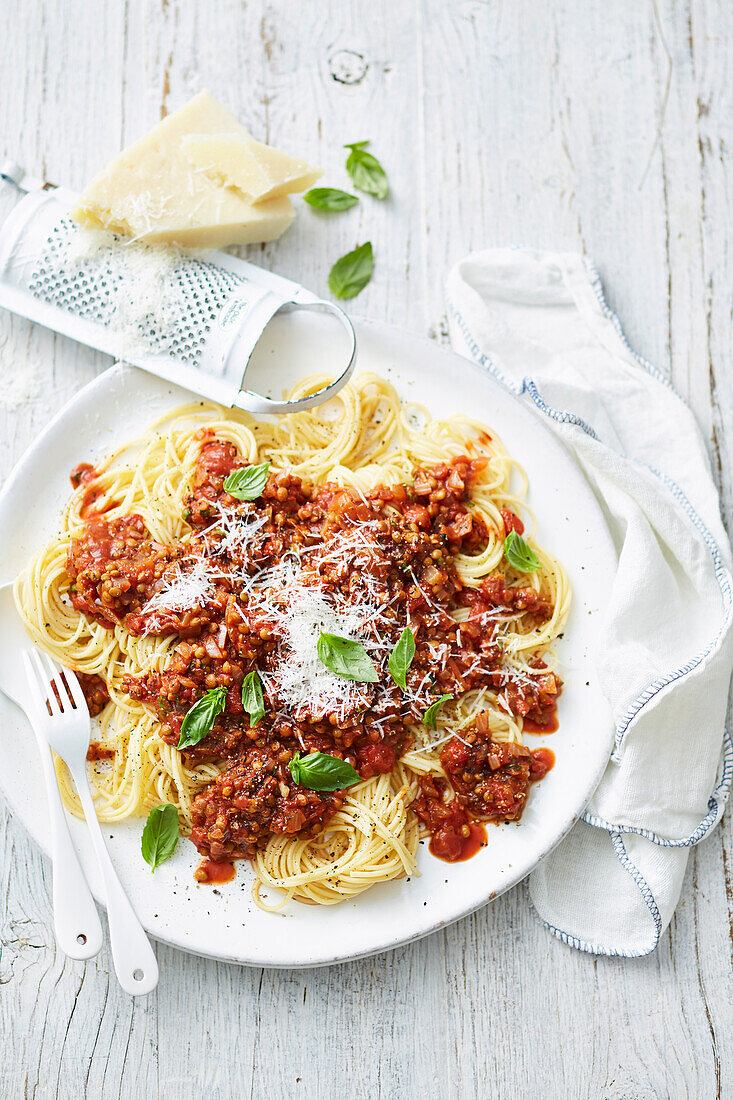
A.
pixel 392 335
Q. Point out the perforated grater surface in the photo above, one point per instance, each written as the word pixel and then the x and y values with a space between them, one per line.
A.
pixel 194 321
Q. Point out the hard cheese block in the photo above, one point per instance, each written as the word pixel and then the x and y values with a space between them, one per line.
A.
pixel 151 191
pixel 259 171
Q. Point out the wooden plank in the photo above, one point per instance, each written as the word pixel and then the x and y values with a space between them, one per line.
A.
pixel 703 924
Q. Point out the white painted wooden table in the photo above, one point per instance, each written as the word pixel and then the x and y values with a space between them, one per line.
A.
pixel 602 125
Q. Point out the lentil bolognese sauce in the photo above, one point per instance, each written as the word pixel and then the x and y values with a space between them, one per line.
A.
pixel 318 637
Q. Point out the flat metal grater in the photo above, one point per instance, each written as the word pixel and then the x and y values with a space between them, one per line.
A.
pixel 193 320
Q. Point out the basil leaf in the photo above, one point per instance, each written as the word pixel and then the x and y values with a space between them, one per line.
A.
pixel 431 714
pixel 252 698
pixel 352 272
pixel 247 483
pixel 401 657
pixel 346 658
pixel 160 835
pixel 366 171
pixel 201 717
pixel 520 554
pixel 320 772
pixel 330 198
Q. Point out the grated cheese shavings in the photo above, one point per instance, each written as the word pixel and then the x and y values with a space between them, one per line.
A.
pixel 184 592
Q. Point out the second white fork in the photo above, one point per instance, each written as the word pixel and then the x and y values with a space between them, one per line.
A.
pixel 63 719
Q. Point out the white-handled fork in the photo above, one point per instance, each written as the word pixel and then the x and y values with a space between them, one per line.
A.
pixel 62 715
pixel 75 918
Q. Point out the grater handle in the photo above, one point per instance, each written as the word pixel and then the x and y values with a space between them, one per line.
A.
pixel 256 403
pixel 13 173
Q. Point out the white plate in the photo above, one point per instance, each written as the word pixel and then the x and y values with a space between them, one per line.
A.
pixel 224 923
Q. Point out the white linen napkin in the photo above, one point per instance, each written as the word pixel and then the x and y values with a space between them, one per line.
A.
pixel 538 322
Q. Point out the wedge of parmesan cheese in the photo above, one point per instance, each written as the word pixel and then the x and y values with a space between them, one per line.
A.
pixel 259 171
pixel 151 192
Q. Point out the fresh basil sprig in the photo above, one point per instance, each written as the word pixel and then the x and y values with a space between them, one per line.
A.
pixel 201 717
pixel 366 171
pixel 330 199
pixel 320 772
pixel 346 658
pixel 252 698
pixel 352 272
pixel 160 835
pixel 401 657
pixel 247 483
pixel 430 716
pixel 520 554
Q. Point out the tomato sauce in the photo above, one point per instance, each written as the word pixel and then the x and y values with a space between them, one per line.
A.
pixel 85 474
pixel 99 752
pixel 549 726
pixel 212 871
pixel 512 522
pixel 467 846
pixel 95 693
pixel 82 474
pixel 543 760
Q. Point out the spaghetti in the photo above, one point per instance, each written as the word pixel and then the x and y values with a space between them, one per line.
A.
pixel 373 520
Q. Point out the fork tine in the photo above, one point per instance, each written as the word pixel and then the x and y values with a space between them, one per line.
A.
pixel 42 685
pixel 47 677
pixel 67 683
pixel 52 669
pixel 58 675
pixel 53 675
pixel 73 688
